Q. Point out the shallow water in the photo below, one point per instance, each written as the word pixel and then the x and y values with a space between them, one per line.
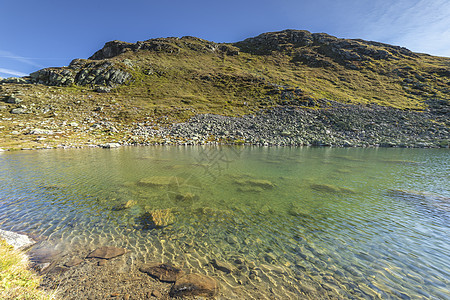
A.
pixel 290 222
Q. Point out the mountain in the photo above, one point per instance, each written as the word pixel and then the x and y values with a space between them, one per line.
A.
pixel 173 79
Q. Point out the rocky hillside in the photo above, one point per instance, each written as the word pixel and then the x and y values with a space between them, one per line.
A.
pixel 166 80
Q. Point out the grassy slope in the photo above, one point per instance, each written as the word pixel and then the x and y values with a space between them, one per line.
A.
pixel 174 86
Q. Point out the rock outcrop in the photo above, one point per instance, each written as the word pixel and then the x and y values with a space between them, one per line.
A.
pixel 321 49
pixel 170 45
pixel 82 72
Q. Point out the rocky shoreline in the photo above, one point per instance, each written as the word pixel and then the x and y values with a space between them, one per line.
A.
pixel 334 124
pixel 323 123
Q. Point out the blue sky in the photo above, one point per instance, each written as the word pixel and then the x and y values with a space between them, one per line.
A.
pixel 38 34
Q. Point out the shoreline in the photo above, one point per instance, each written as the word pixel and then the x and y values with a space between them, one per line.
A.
pixel 334 124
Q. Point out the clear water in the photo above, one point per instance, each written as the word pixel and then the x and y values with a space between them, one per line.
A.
pixel 291 222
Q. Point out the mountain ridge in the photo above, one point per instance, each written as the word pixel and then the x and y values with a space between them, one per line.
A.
pixel 170 80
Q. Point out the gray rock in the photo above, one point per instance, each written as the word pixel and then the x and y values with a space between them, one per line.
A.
pixel 102 89
pixel 41 132
pixel 110 145
pixel 18 241
pixel 13 100
pixel 18 80
pixel 19 110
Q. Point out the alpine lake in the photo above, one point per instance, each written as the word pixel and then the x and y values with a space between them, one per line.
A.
pixel 264 222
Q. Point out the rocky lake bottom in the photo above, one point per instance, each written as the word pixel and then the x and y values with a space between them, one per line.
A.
pixel 246 222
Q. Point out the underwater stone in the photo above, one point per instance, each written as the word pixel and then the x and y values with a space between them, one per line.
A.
pixel 194 285
pixel 156 218
pixel 106 252
pixel 222 266
pixel 163 272
pixel 156 181
pixel 186 197
pixel 262 183
pixel 327 188
pixel 74 262
pixel 126 205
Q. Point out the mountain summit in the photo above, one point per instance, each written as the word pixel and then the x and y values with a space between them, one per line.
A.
pixel 170 80
pixel 295 64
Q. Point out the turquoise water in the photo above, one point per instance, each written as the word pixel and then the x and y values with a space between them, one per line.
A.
pixel 290 223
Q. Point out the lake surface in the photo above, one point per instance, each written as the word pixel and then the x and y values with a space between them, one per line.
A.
pixel 290 223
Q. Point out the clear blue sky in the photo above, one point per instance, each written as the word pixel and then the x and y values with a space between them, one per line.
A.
pixel 42 33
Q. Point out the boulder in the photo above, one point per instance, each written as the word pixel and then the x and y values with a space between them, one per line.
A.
pixel 13 100
pixel 194 285
pixel 19 110
pixel 163 272
pixel 110 145
pixel 18 241
pixel 106 252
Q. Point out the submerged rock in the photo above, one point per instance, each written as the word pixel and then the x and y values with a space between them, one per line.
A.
pixel 328 188
pixel 194 285
pixel 250 189
pixel 430 200
pixel 261 183
pixel 106 252
pixel 186 197
pixel 43 259
pixel 158 181
pixel 123 206
pixel 222 266
pixel 73 262
pixel 156 218
pixel 163 272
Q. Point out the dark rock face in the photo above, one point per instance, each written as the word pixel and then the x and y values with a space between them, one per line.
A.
pixel 167 45
pixel 106 252
pixel 163 272
pixel 321 49
pixel 82 72
pixel 194 285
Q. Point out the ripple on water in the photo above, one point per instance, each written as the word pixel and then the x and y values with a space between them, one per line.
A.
pixel 287 223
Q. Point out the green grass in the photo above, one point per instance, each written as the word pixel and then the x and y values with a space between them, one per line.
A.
pixel 17 281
